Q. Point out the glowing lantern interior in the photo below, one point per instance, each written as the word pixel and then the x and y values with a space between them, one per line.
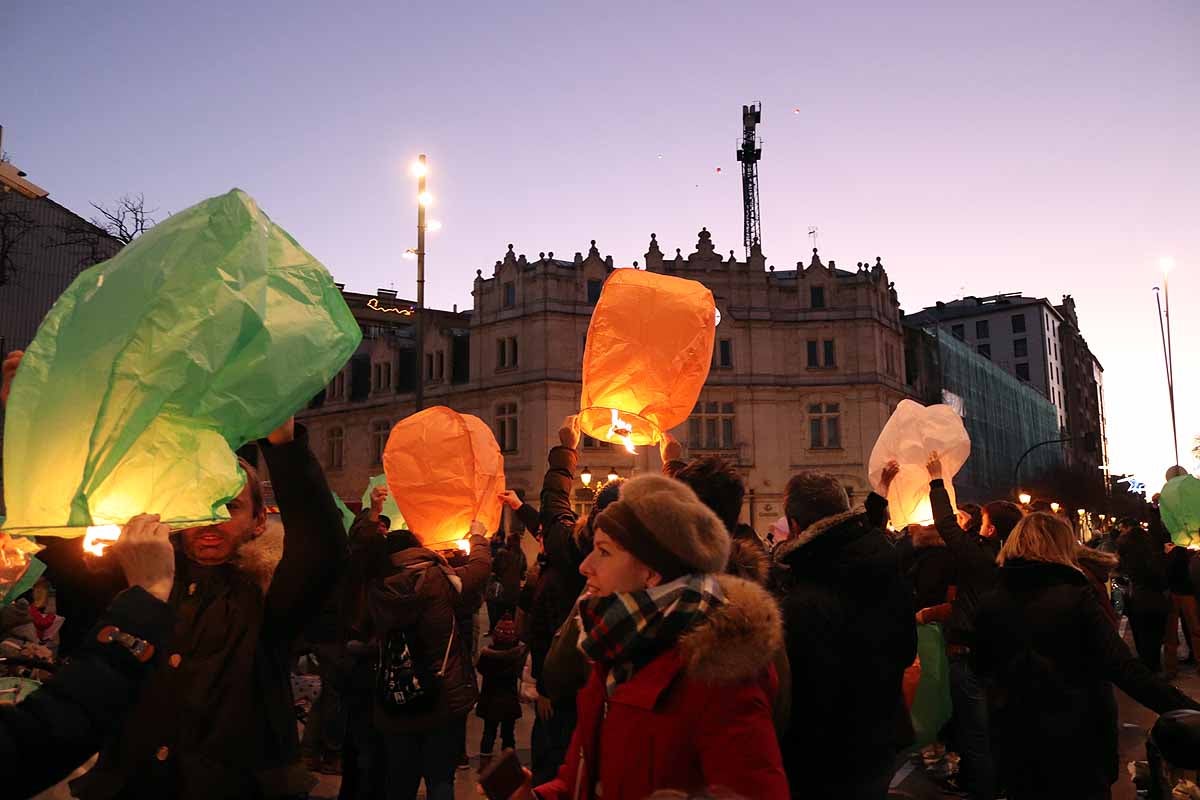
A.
pixel 444 470
pixel 909 436
pixel 1179 503
pixel 649 348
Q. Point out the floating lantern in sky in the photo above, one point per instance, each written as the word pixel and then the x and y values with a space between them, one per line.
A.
pixel 1179 503
pixel 445 470
pixel 649 348
pixel 910 435
pixel 154 366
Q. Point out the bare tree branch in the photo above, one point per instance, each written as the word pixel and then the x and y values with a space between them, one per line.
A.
pixel 128 220
pixel 15 224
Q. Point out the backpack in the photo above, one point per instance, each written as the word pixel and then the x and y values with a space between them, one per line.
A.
pixel 405 685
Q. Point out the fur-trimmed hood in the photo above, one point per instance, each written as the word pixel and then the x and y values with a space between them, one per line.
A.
pixel 749 560
pixel 839 549
pixel 738 640
pixel 257 559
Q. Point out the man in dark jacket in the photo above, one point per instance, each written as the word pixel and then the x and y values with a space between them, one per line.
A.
pixel 418 594
pixel 975 575
pixel 850 635
pixel 215 719
pixel 59 726
pixel 558 586
pixel 1149 604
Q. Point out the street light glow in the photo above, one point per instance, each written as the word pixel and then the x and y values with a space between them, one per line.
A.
pixel 420 169
pixel 612 475
pixel 1166 264
pixel 434 225
pixel 425 199
pixel 586 476
pixel 1025 498
pixel 1055 507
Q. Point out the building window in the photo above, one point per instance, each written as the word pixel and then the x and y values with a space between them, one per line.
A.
pixel 830 353
pixel 817 294
pixel 381 376
pixel 510 294
pixel 959 332
pixel 982 329
pixel 380 429
pixel 825 426
pixel 593 290
pixel 1020 348
pixel 439 365
pixel 725 353
pixel 506 352
pixel 985 350
pixel 1018 323
pixel 711 426
pixel 595 444
pixel 813 361
pixel 334 441
pixel 506 427
pixel 337 387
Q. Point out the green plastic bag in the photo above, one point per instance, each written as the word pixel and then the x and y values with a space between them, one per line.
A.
pixel 207 332
pixel 347 514
pixel 390 509
pixel 932 707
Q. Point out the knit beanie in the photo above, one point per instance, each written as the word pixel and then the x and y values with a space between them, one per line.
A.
pixel 663 524
pixel 505 633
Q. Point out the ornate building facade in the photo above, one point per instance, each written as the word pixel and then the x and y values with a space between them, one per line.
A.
pixel 807 366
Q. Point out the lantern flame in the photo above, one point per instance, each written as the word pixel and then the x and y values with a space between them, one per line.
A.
pixel 621 430
pixel 464 545
pixel 99 537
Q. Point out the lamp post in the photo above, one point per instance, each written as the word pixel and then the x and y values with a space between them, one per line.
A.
pixel 1164 330
pixel 421 170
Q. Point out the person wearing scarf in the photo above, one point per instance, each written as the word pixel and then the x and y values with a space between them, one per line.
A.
pixel 682 677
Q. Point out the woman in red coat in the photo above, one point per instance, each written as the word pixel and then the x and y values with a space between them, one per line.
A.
pixel 682 683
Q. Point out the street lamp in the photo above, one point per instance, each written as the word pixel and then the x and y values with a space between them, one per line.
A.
pixel 421 170
pixel 1164 330
pixel 1081 512
pixel 586 476
pixel 1025 498
pixel 612 474
pixel 1054 507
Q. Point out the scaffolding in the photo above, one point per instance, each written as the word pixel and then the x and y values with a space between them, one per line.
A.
pixel 1003 416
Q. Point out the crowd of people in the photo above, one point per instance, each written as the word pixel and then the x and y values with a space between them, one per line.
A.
pixel 673 652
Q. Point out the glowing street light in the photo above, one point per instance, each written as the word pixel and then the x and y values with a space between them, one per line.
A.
pixel 420 169
pixel 586 476
pixel 1081 512
pixel 1166 264
pixel 1025 498
pixel 425 199
pixel 1054 507
pixel 612 474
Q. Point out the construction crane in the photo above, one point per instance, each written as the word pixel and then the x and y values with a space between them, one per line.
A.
pixel 749 154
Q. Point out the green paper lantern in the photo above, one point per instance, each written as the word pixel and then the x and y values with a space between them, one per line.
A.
pixel 347 514
pixel 1179 504
pixel 390 509
pixel 207 332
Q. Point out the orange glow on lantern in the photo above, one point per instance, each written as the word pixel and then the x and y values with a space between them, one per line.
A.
pixel 649 348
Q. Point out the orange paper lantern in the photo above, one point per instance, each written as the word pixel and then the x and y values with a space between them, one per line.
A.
pixel 649 348
pixel 445 470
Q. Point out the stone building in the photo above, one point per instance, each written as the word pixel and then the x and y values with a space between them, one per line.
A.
pixel 808 365
pixel 1083 378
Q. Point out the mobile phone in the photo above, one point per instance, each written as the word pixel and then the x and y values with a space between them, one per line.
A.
pixel 503 777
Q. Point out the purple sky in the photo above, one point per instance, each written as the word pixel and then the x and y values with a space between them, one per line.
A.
pixel 1033 149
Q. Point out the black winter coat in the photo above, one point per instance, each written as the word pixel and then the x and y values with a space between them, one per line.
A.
pixel 559 582
pixel 1145 564
pixel 1049 656
pixel 58 727
pixel 974 566
pixel 421 594
pixel 500 698
pixel 215 718
pixel 848 614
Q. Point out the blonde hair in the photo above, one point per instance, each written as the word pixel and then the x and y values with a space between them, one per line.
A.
pixel 1041 537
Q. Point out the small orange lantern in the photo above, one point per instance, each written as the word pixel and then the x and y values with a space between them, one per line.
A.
pixel 649 348
pixel 444 469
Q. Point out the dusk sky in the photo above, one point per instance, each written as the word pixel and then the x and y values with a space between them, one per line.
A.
pixel 1044 148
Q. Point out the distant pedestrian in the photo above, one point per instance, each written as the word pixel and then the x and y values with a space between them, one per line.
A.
pixel 499 704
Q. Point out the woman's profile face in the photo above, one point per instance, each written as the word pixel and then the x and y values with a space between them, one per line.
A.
pixel 611 569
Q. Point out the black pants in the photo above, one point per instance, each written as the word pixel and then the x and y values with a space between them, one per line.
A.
pixel 550 741
pixel 1149 629
pixel 508 734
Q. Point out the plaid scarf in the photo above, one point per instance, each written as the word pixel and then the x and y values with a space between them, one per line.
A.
pixel 626 631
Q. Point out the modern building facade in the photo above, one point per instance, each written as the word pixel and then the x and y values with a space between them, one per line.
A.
pixel 1019 334
pixel 807 366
